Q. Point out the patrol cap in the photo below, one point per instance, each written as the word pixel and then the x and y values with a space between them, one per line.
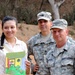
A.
pixel 44 15
pixel 60 23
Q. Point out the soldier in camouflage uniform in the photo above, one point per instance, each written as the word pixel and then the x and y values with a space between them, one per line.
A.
pixel 60 60
pixel 39 44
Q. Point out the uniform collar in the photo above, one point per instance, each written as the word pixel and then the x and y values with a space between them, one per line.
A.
pixel 56 52
pixel 50 38
pixel 66 46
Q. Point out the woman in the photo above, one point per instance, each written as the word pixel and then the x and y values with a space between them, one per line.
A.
pixel 10 43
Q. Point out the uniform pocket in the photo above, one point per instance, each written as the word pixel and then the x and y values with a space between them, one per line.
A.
pixel 50 62
pixel 67 61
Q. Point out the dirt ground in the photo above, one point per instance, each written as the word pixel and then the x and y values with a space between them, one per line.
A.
pixel 25 31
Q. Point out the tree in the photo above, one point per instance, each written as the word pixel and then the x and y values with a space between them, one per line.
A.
pixel 55 7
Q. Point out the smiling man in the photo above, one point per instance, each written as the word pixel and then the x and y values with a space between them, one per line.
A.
pixel 39 44
pixel 60 60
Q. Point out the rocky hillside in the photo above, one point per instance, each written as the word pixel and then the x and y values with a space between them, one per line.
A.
pixel 26 31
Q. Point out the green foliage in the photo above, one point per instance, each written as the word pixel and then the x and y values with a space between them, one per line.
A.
pixel 26 10
pixel 70 17
pixel 74 12
pixel 26 14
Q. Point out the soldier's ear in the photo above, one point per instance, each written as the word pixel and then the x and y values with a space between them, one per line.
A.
pixel 51 23
pixel 67 31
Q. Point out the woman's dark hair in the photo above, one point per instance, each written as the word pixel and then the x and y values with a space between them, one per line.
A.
pixel 6 18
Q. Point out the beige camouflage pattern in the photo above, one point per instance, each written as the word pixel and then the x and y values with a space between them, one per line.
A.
pixel 39 49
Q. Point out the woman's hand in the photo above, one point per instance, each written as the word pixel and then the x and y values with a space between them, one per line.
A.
pixel 28 65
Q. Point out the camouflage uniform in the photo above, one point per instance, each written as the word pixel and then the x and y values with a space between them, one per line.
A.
pixel 39 49
pixel 60 62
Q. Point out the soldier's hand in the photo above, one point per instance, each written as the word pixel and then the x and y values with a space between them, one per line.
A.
pixel 36 67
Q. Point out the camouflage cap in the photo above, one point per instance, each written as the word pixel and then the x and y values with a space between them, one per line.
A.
pixel 44 15
pixel 60 23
